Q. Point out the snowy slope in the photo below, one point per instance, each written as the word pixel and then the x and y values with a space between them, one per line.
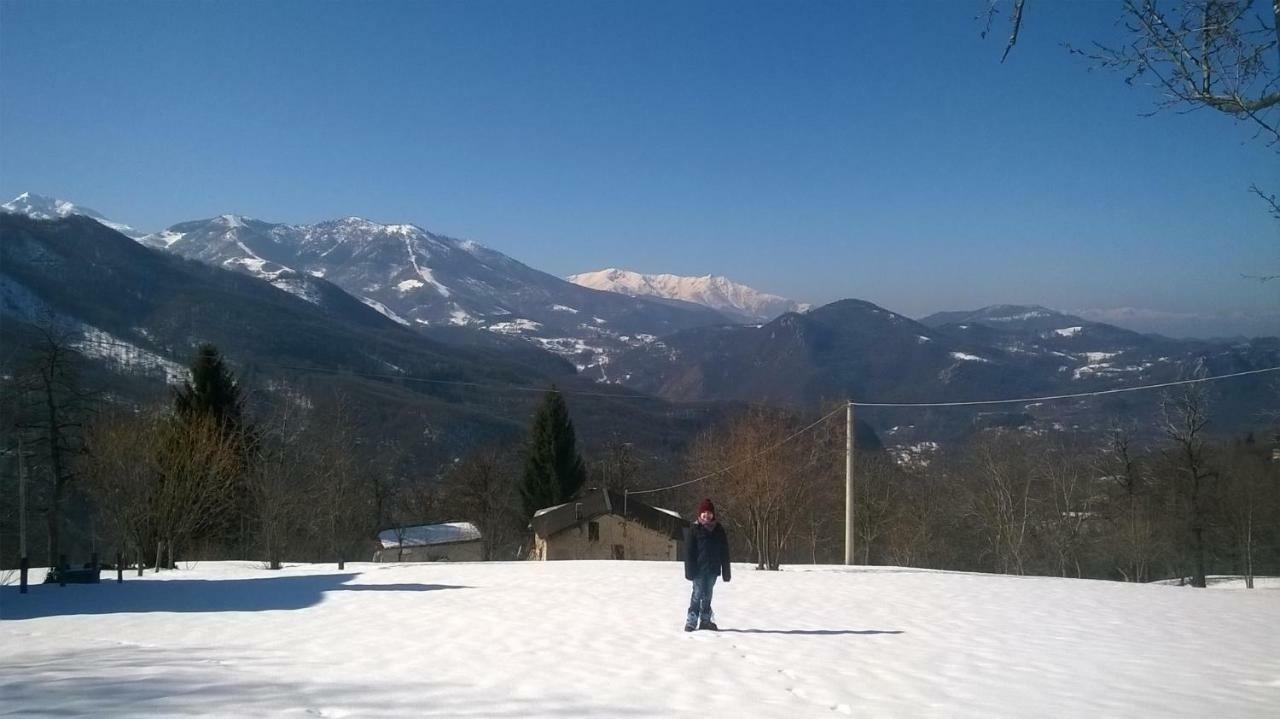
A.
pixel 604 639
pixel 718 293
pixel 40 207
pixel 429 280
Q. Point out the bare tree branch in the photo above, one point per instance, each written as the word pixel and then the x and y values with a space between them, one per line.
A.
pixel 1016 21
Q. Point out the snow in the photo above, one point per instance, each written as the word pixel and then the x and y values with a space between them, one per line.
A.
pixel 712 291
pixel 459 316
pixel 254 264
pixel 39 207
pixel 125 356
pixel 298 287
pixel 515 327
pixel 423 272
pixel 428 534
pixel 1068 331
pixel 968 357
pixel 544 510
pixel 921 339
pixel 563 308
pixel 555 639
pixel 1029 315
pixel 409 285
pixel 385 311
pixel 166 238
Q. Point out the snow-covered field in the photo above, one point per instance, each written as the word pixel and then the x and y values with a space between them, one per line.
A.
pixel 606 639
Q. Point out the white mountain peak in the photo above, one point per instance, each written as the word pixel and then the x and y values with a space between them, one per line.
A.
pixel 714 291
pixel 41 207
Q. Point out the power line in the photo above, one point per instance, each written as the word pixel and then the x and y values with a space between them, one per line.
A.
pixel 950 404
pixel 1064 396
pixel 519 388
pixel 761 453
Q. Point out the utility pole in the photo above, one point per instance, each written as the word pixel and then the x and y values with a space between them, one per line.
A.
pixel 24 563
pixel 848 483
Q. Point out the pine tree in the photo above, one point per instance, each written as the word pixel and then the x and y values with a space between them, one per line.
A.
pixel 212 391
pixel 212 398
pixel 553 469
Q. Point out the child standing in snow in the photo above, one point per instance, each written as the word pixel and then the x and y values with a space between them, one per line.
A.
pixel 706 556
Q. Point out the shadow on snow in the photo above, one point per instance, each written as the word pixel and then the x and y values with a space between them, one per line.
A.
pixel 187 595
pixel 813 632
pixel 130 681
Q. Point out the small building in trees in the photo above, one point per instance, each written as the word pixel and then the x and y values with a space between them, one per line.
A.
pixel 604 524
pixel 451 541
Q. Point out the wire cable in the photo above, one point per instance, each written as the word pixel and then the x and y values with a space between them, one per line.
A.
pixel 1064 396
pixel 761 453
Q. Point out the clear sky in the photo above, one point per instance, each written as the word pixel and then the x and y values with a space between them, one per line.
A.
pixel 817 150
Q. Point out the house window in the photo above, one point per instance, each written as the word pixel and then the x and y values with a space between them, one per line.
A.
pixel 619 552
pixel 593 531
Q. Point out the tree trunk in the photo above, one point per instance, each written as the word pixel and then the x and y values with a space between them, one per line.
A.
pixel 1197 548
pixel 159 554
pixel 1248 546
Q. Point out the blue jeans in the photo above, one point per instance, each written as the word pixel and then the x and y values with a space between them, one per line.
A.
pixel 700 602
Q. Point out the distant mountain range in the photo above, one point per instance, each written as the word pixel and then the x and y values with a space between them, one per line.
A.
pixel 366 296
pixel 857 350
pixel 429 281
pixel 719 293
pixel 137 315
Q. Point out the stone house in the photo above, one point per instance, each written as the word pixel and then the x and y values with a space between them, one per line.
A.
pixel 451 541
pixel 605 524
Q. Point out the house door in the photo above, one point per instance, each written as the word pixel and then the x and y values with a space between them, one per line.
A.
pixel 619 552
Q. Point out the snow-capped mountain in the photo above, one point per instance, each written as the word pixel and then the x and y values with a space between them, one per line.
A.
pixel 718 293
pixel 50 208
pixel 422 279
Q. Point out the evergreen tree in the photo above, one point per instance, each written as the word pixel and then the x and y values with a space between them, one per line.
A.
pixel 212 398
pixel 212 391
pixel 553 469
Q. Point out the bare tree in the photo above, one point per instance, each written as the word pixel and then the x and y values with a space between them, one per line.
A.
pixel 1214 54
pixel 1185 416
pixel 52 410
pixel 1249 503
pixel 481 488
pixel 195 468
pixel 878 503
pixel 275 479
pixel 1002 498
pixel 763 478
pixel 1068 507
pixel 1129 507
pixel 619 467
pixel 119 473
pixel 339 515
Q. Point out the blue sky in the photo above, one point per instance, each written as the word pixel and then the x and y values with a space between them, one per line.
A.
pixel 818 150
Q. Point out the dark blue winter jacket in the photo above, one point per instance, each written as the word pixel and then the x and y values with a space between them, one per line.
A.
pixel 706 552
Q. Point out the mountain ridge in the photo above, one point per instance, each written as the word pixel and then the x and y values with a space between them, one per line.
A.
pixel 717 292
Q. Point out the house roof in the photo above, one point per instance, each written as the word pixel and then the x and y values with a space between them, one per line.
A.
pixel 552 520
pixel 428 534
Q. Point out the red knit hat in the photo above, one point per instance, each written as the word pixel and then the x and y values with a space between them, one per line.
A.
pixel 705 506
